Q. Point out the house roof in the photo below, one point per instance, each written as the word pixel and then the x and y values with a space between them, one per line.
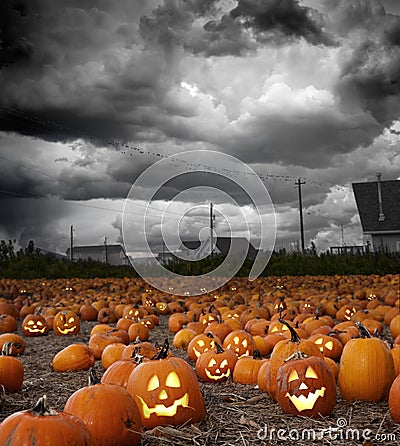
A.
pixel 89 249
pixel 239 243
pixel 191 244
pixel 223 244
pixel 366 195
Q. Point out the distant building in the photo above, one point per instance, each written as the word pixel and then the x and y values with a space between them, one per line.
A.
pixel 111 254
pixel 352 249
pixel 378 204
pixel 56 255
pixel 196 249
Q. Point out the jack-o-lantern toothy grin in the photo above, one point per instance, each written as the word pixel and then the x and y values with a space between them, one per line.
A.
pixel 162 410
pixel 66 322
pixel 34 324
pixel 216 365
pixel 166 391
pixel 303 402
pixel 306 386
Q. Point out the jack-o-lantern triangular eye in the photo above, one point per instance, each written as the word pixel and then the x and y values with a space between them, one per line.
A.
pixel 293 376
pixel 153 383
pixel 329 345
pixel 224 363
pixel 310 373
pixel 200 343
pixel 173 380
pixel 212 362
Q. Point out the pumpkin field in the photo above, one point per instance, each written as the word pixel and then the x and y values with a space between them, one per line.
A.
pixel 280 360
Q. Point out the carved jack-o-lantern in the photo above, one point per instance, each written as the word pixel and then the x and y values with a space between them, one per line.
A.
pixel 34 325
pixel 162 307
pixel 328 345
pixel 66 322
pixel 201 343
pixel 347 312
pixel 166 391
pixel 306 386
pixel 133 312
pixel 216 365
pixel 241 342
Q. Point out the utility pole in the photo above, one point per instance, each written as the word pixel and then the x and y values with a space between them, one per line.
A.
pixel 299 183
pixel 211 229
pixel 105 248
pixel 71 249
pixel 343 244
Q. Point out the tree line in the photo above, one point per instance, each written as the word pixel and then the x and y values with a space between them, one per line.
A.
pixel 31 263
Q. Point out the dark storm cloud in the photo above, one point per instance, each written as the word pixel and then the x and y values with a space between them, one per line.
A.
pixel 286 17
pixel 35 221
pixel 15 46
pixel 68 70
pixel 266 21
pixel 371 77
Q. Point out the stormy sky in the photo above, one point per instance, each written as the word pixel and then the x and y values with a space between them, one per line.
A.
pixel 92 93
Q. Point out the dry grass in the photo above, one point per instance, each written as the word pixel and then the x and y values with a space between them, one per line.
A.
pixel 236 414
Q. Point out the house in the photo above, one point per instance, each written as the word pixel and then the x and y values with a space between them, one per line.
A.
pixel 111 254
pixel 378 204
pixel 196 249
pixel 56 255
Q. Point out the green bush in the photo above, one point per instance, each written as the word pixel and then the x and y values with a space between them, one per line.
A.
pixel 30 263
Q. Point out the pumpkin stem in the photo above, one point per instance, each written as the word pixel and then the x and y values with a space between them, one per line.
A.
pixel 336 332
pixel 257 354
pixel 93 378
pixel 136 356
pixel 362 329
pixel 41 408
pixel 7 348
pixel 296 355
pixel 210 335
pixel 219 349
pixel 295 337
pixel 163 353
pixel 38 310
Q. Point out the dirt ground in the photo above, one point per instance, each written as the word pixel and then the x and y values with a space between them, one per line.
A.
pixel 236 414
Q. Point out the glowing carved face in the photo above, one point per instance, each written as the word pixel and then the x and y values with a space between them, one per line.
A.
pixel 34 325
pixel 302 402
pixel 306 387
pixel 349 312
pixel 216 365
pixel 166 392
pixel 241 343
pixel 172 381
pixel 65 323
pixel 202 346
pixel 162 307
pixel 322 344
pixel 218 372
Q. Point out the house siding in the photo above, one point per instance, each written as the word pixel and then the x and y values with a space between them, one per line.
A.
pixel 386 242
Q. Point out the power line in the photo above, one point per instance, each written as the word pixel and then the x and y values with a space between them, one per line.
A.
pixel 59 128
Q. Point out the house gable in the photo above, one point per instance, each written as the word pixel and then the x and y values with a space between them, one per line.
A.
pixel 366 195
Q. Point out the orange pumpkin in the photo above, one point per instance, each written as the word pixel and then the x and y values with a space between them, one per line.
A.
pixel 99 405
pixel 166 391
pixel 366 369
pixel 45 427
pixel 66 322
pixel 11 370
